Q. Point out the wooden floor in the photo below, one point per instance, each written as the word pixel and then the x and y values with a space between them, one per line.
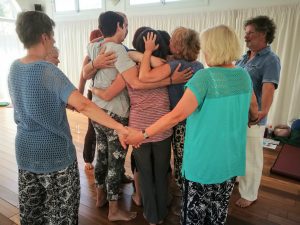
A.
pixel 278 202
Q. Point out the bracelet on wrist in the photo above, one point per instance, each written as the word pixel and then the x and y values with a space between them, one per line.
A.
pixel 146 136
pixel 251 120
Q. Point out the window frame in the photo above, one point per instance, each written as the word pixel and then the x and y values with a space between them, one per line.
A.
pixel 15 9
pixel 162 2
pixel 162 6
pixel 77 10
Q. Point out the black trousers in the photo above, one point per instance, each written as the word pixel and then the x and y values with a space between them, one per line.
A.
pixel 153 161
pixel 89 140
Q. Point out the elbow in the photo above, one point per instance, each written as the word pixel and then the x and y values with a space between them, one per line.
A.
pixel 83 106
pixel 141 78
pixel 84 75
pixel 136 85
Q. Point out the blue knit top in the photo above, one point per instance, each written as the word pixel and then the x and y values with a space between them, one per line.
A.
pixel 39 93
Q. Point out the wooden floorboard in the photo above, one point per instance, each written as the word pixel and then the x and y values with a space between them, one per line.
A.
pixel 278 202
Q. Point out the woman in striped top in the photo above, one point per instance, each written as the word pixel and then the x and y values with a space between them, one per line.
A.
pixel 185 48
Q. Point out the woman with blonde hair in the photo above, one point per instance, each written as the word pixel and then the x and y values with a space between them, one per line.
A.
pixel 216 104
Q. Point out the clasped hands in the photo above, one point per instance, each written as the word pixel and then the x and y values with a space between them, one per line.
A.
pixel 260 116
pixel 130 136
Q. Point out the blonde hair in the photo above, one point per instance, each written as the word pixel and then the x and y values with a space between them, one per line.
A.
pixel 220 45
pixel 187 43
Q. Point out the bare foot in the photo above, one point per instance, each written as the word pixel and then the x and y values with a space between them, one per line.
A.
pixel 244 203
pixel 121 215
pixel 136 199
pixel 89 166
pixel 100 197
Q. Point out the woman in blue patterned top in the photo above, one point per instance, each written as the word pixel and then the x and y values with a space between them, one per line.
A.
pixel 216 104
pixel 49 186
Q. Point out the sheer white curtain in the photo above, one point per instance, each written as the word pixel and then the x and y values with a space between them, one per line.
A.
pixel 168 23
pixel 72 38
pixel 10 50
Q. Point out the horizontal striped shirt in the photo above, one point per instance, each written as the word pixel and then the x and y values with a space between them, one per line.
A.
pixel 147 106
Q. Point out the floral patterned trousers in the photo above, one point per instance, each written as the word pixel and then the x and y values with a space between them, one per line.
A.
pixel 110 160
pixel 206 204
pixel 177 145
pixel 51 198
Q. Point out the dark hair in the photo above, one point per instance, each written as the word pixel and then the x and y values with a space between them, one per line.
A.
pixel 136 34
pixel 161 52
pixel 31 25
pixel 166 37
pixel 108 23
pixel 263 24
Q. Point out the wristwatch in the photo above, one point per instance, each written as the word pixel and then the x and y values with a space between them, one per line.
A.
pixel 146 136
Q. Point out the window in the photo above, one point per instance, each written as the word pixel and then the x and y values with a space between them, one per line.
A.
pixel 140 2
pixel 150 6
pixel 10 46
pixel 65 5
pixel 9 9
pixel 90 4
pixel 76 5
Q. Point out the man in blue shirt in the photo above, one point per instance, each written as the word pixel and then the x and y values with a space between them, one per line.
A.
pixel 263 66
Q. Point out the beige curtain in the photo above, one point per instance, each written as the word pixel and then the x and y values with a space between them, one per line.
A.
pixel 72 38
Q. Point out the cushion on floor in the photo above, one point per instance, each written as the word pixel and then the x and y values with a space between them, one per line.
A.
pixel 288 162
